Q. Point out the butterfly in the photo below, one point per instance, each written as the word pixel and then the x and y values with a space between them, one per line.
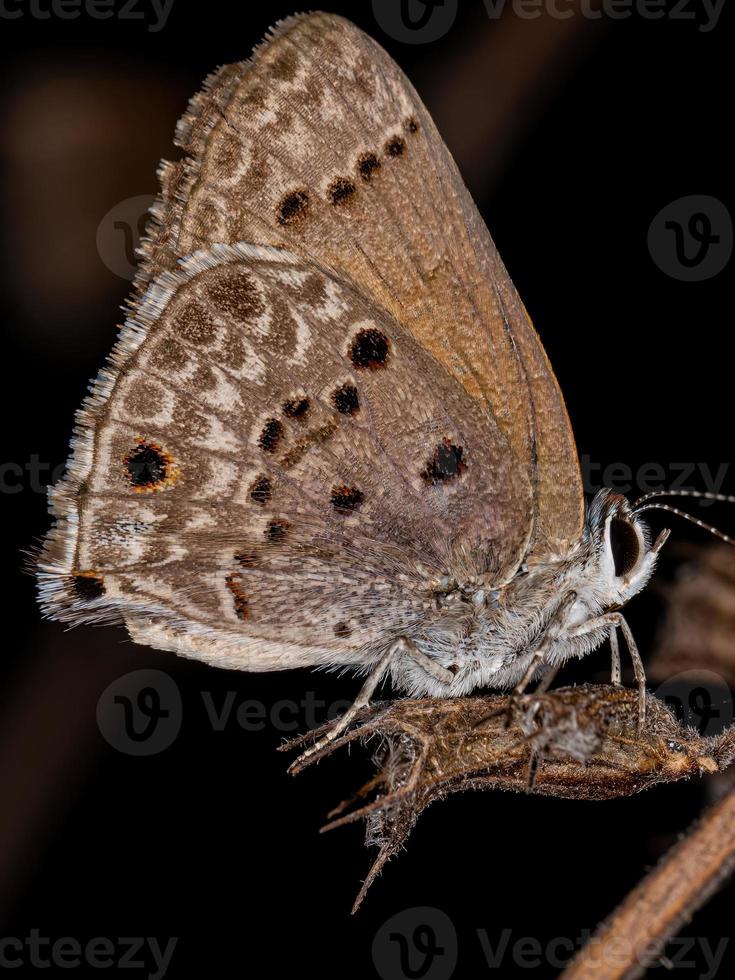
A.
pixel 328 434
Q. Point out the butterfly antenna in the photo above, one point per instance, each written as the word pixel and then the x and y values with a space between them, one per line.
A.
pixel 724 498
pixel 689 517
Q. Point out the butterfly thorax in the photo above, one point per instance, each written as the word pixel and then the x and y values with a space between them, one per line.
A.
pixel 487 636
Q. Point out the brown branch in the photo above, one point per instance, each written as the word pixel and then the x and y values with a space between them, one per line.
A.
pixel 634 936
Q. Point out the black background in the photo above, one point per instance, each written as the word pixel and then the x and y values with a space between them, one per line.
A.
pixel 211 841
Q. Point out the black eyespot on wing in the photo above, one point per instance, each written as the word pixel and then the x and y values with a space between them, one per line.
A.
pixel 148 466
pixel 624 546
pixel 293 207
pixel 296 408
pixel 346 499
pixel 261 490
pixel 342 631
pixel 370 349
pixel 395 147
pixel 341 190
pixel 88 586
pixel 271 435
pixel 412 125
pixel 277 530
pixel 368 165
pixel 346 400
pixel 446 464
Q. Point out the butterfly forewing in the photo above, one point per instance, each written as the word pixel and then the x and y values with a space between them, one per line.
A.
pixel 321 144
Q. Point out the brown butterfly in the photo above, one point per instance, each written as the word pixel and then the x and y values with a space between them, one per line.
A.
pixel 328 433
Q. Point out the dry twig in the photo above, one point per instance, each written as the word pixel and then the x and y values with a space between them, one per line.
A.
pixel 634 936
pixel 579 742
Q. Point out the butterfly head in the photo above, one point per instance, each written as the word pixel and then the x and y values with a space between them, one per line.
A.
pixel 621 543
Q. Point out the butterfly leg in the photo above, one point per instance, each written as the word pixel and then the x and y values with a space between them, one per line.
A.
pixel 615 620
pixel 551 633
pixel 539 653
pixel 520 688
pixel 615 673
pixel 402 646
pixel 547 680
pixel 541 688
pixel 409 648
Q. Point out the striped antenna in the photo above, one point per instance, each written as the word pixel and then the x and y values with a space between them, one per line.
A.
pixel 725 498
pixel 695 520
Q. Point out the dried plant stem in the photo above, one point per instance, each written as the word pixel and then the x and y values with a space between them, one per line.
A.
pixel 582 742
pixel 634 936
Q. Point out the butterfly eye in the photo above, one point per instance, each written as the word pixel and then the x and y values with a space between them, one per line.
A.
pixel 624 546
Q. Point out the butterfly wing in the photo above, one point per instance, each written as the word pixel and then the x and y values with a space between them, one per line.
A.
pixel 321 144
pixel 270 470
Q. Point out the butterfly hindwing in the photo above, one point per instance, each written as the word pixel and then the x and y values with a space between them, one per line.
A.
pixel 271 466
